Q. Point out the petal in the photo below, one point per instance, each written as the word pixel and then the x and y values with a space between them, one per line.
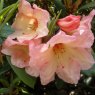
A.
pixel 60 37
pixel 25 8
pixel 84 35
pixel 43 62
pixel 43 18
pixel 20 56
pixel 69 72
pixel 47 73
pixel 41 14
pixel 7 43
pixel 32 70
pixel 42 31
pixel 89 17
pixel 83 57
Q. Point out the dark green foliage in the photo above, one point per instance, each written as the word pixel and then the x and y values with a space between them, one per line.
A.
pixel 13 80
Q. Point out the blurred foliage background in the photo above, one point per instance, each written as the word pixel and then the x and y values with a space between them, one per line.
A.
pixel 12 81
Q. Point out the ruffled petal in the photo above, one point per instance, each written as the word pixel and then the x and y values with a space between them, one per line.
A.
pixel 17 51
pixel 25 8
pixel 83 57
pixel 88 18
pixel 60 37
pixel 84 35
pixel 69 72
pixel 43 18
pixel 44 64
pixel 41 14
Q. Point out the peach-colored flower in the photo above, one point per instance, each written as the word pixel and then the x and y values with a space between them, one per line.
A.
pixel 30 22
pixel 69 23
pixel 19 52
pixel 64 55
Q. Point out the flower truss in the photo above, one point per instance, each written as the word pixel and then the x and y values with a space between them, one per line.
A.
pixel 65 54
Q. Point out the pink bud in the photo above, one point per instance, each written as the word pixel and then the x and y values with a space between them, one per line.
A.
pixel 69 23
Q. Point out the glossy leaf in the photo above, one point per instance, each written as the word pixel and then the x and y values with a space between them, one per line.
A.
pixel 1 4
pixel 9 15
pixel 4 68
pixel 4 91
pixel 88 5
pixel 6 30
pixel 59 6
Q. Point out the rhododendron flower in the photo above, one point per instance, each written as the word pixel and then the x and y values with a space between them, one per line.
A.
pixel 64 55
pixel 30 22
pixel 69 23
pixel 19 52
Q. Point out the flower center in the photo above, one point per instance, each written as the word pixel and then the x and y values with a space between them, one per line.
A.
pixel 58 48
pixel 33 24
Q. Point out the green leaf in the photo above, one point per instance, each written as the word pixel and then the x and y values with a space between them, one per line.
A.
pixel 1 41
pixel 59 6
pixel 59 83
pixel 4 91
pixel 6 9
pixel 5 12
pixel 88 5
pixel 1 4
pixel 52 24
pixel 6 30
pixel 4 68
pixel 9 15
pixel 28 80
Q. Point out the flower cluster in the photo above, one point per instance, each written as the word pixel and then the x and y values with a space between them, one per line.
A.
pixel 65 53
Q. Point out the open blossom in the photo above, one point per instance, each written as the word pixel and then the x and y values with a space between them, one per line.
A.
pixel 19 52
pixel 30 22
pixel 69 23
pixel 64 55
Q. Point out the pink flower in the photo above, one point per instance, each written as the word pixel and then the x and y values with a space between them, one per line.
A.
pixel 19 52
pixel 69 23
pixel 64 55
pixel 30 22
